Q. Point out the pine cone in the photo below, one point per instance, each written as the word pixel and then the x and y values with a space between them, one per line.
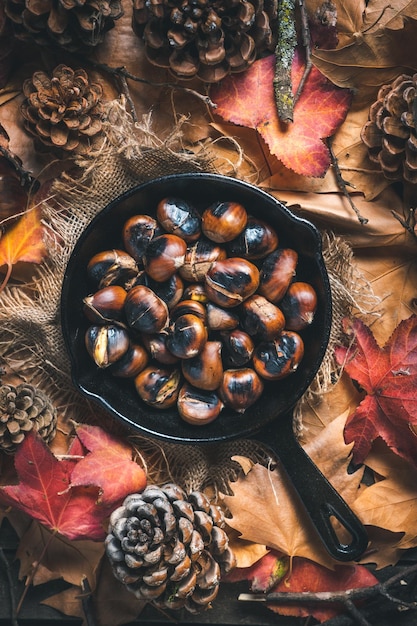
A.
pixel 203 38
pixel 169 548
pixel 22 409
pixel 390 134
pixel 74 25
pixel 64 112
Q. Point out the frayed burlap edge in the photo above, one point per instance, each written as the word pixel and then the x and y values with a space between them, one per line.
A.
pixel 31 342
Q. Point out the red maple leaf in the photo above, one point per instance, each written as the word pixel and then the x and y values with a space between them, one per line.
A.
pixel 247 99
pixel 307 576
pixel 78 510
pixel 389 377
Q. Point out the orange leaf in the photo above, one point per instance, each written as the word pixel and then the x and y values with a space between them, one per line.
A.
pixel 23 242
pixel 247 99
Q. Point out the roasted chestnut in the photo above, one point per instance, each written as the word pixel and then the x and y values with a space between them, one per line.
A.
pixel 277 359
pixel 195 291
pixel 228 283
pixel 111 267
pixel 186 336
pixel 198 407
pixel 262 318
pixel 170 291
pixel 277 272
pixel 219 318
pixel 240 388
pixel 158 386
pixel 138 231
pixel 299 305
pixel 144 311
pixel 238 347
pixel 163 256
pixel 185 307
pixel 256 241
pixel 131 363
pixel 157 348
pixel 223 221
pixel 199 257
pixel 178 217
pixel 105 305
pixel 106 344
pixel 205 370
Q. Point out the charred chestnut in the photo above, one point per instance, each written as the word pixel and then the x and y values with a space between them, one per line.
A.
pixel 277 272
pixel 262 318
pixel 185 307
pixel 199 257
pixel 105 305
pixel 163 256
pixel 138 231
pixel 256 241
pixel 223 221
pixel 111 267
pixel 238 347
pixel 277 359
pixel 106 344
pixel 186 336
pixel 228 283
pixel 195 291
pixel 170 291
pixel 219 318
pixel 131 363
pixel 158 386
pixel 144 311
pixel 178 217
pixel 205 370
pixel 240 388
pixel 197 406
pixel 299 305
pixel 157 348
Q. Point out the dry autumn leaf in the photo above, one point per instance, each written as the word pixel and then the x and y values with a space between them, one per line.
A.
pixel 311 577
pixel 389 376
pixel 46 492
pixel 22 243
pixel 247 99
pixel 278 520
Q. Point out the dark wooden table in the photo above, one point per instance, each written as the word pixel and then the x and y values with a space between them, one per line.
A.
pixel 227 611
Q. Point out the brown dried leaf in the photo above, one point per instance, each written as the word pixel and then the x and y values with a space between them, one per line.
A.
pixel 264 509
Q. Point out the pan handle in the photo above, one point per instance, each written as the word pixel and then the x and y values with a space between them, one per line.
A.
pixel 320 499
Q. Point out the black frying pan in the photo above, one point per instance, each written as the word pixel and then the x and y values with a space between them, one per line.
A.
pixel 270 419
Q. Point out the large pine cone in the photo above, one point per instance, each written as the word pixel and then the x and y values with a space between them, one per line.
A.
pixel 22 409
pixel 169 548
pixel 390 134
pixel 75 25
pixel 64 112
pixel 205 38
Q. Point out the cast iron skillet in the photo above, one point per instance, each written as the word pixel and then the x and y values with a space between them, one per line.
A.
pixel 270 419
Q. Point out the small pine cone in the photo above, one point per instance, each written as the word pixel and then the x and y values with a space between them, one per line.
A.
pixel 22 409
pixel 64 112
pixel 207 39
pixel 169 548
pixel 74 25
pixel 390 134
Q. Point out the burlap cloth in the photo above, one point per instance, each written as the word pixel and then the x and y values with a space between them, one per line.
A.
pixel 31 343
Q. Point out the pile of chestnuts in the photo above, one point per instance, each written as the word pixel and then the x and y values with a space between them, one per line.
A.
pixel 198 309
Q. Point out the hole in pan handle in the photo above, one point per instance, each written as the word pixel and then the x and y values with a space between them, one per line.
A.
pixel 321 501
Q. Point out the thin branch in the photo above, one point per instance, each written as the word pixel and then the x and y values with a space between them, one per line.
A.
pixel 26 178
pixel 341 183
pixel 284 55
pixel 306 41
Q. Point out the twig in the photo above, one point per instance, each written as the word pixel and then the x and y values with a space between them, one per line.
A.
pixel 26 178
pixel 6 565
pixel 284 54
pixel 86 602
pixel 341 183
pixel 345 598
pixel 306 40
